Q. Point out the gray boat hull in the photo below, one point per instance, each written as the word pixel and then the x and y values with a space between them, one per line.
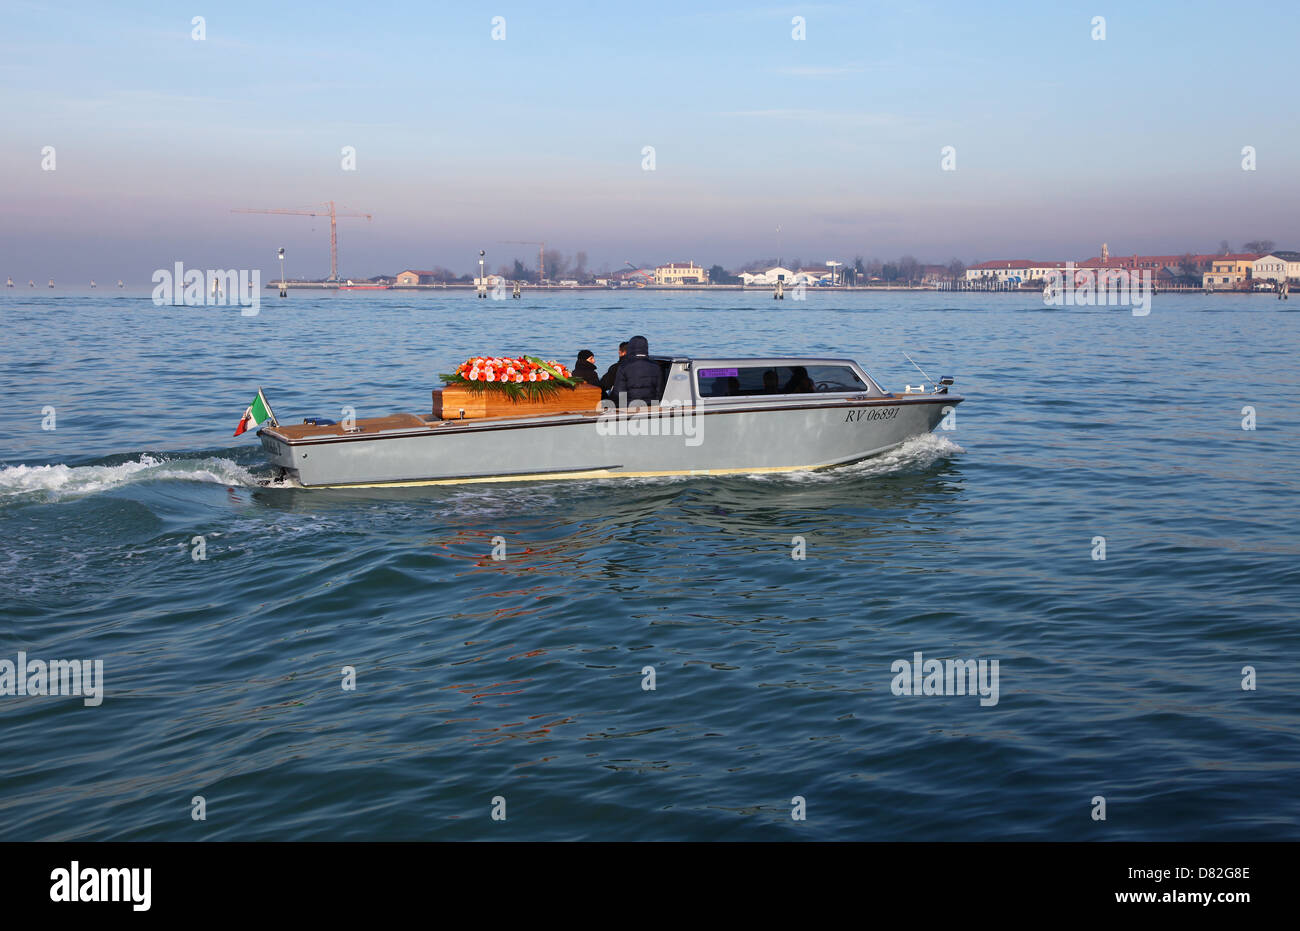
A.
pixel 700 440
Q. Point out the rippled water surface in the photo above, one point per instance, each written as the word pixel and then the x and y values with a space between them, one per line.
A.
pixel 522 678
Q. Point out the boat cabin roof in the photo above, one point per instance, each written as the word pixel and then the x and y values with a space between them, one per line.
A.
pixel 732 361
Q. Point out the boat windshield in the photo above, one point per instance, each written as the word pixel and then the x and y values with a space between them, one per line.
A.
pixel 752 380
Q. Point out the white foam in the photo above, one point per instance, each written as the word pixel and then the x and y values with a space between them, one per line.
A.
pixel 919 452
pixel 60 481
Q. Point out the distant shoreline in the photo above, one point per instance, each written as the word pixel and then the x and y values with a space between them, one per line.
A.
pixel 468 289
pixel 761 289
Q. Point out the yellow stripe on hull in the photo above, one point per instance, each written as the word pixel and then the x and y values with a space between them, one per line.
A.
pixel 556 476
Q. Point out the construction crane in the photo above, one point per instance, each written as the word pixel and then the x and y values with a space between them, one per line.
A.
pixel 541 254
pixel 635 268
pixel 334 235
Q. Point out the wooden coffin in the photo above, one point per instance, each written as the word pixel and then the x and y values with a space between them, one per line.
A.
pixel 448 402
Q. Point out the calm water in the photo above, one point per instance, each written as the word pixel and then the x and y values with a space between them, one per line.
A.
pixel 522 678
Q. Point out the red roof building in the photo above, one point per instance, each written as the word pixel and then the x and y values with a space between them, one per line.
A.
pixel 1137 262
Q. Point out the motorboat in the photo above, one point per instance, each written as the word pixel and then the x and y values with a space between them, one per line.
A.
pixel 716 416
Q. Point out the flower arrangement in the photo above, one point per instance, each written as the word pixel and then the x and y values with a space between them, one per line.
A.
pixel 523 377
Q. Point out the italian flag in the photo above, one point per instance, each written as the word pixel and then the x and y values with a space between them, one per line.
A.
pixel 258 411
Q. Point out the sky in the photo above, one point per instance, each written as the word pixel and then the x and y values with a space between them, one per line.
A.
pixel 825 147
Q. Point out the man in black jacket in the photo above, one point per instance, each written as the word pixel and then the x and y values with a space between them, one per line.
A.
pixel 607 382
pixel 638 378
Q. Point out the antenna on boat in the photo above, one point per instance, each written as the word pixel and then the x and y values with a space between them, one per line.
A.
pixel 919 369
pixel 940 387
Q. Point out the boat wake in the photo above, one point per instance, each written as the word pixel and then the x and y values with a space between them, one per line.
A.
pixel 913 455
pixel 55 482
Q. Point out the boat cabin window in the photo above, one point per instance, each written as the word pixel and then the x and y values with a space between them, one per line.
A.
pixel 757 380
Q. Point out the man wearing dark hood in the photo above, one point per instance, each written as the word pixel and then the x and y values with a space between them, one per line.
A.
pixel 638 378
pixel 586 368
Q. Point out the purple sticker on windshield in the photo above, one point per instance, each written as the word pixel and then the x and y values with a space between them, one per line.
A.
pixel 719 373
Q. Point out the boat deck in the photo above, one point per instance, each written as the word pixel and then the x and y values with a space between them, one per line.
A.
pixel 303 431
pixel 400 423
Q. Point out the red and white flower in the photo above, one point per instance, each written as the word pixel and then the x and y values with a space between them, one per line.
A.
pixel 511 370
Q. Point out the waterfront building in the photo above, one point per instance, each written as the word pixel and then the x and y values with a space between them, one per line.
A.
pixel 415 276
pixel 1014 270
pixel 1229 271
pixel 1277 266
pixel 1166 270
pixel 812 275
pixel 768 278
pixel 681 273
